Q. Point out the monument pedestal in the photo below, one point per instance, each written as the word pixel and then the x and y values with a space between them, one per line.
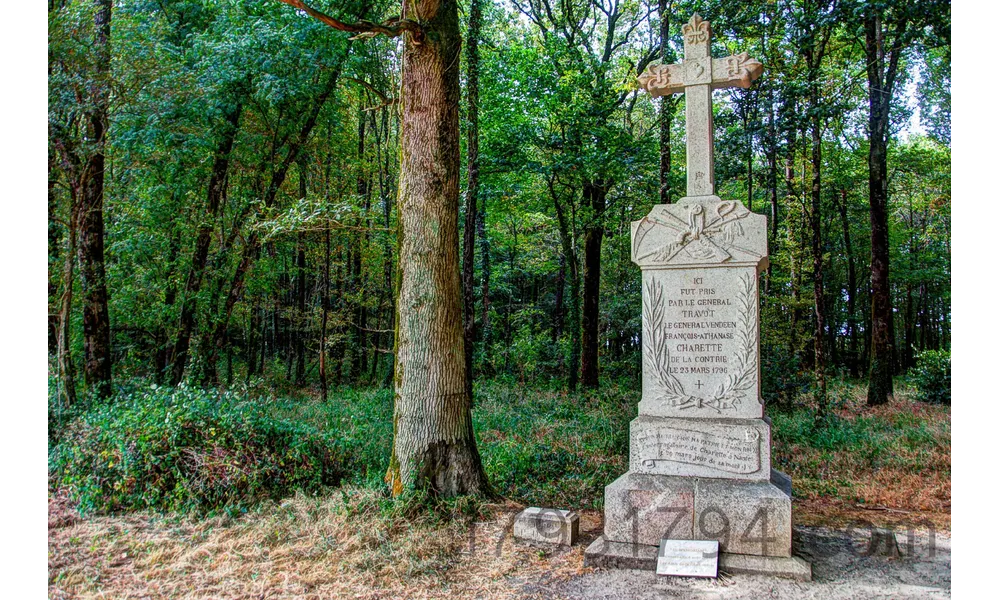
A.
pixel 752 520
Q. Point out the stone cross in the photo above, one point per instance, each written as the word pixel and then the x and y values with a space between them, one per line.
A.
pixel 697 76
pixel 700 447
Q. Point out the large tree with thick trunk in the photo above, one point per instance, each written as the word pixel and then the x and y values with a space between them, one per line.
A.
pixel 433 443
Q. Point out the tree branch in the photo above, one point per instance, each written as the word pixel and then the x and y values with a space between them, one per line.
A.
pixel 392 27
pixel 386 100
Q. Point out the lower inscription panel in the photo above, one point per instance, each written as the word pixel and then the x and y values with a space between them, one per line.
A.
pixel 736 449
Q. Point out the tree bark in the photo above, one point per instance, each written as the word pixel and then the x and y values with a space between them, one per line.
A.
pixel 90 250
pixel 668 103
pixel 433 443
pixel 881 78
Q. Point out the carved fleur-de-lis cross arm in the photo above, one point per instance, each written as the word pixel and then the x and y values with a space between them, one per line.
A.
pixel 697 76
pixel 738 70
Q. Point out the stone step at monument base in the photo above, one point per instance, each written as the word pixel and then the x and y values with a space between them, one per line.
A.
pixel 747 517
pixel 623 555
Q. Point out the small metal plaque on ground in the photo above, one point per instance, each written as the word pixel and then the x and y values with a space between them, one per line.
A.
pixel 688 558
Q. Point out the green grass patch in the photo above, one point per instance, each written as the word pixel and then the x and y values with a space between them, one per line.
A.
pixel 186 449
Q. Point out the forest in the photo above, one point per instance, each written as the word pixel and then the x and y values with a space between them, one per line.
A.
pixel 230 182
pixel 241 163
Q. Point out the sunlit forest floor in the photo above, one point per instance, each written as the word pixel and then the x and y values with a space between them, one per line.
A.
pixel 889 466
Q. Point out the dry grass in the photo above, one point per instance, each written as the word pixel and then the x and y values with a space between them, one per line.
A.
pixel 307 548
pixel 902 474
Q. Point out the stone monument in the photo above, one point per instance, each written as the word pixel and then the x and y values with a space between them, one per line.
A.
pixel 700 449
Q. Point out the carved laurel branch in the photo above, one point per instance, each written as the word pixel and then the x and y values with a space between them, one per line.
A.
pixel 742 381
pixel 656 351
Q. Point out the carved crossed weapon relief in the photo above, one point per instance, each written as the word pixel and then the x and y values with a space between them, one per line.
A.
pixel 711 232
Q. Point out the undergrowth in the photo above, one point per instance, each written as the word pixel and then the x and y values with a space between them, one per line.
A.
pixel 189 449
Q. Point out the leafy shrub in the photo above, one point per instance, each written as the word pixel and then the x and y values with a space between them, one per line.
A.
pixel 932 376
pixel 188 449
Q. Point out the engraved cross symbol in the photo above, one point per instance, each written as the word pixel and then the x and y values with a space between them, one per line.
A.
pixel 697 76
pixel 699 384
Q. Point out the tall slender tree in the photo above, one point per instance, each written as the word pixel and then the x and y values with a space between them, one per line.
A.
pixel 889 29
pixel 90 213
pixel 472 185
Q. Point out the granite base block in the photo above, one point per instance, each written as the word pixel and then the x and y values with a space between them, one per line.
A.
pixel 622 555
pixel 746 517
pixel 547 526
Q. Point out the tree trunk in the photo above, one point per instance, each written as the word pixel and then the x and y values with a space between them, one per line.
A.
pixel 484 296
pixel 668 103
pixel 252 244
pixel 569 251
pixel 216 191
pixel 472 192
pixel 255 339
pixel 162 356
pixel 880 88
pixel 791 194
pixel 819 309
pixel 433 443
pixel 67 374
pixel 594 196
pixel 338 351
pixel 54 245
pixel 93 283
pixel 557 313
pixel 359 359
pixel 852 288
pixel 299 330
pixel 323 320
pixel 772 174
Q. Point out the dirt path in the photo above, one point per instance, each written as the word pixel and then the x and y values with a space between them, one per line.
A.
pixel 840 571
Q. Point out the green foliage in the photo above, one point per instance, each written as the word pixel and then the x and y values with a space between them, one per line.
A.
pixel 782 377
pixel 189 449
pixel 553 448
pixel 932 376
pixel 363 420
